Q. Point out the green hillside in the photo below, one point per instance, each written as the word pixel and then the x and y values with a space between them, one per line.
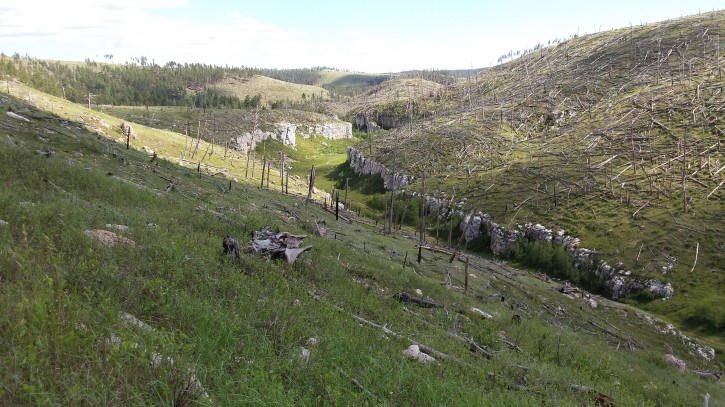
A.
pixel 116 288
pixel 615 137
pixel 273 91
pixel 161 317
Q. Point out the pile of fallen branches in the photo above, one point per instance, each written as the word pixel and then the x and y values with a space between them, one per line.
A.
pixel 278 244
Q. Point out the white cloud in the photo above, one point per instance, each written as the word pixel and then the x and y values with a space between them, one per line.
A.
pixel 87 29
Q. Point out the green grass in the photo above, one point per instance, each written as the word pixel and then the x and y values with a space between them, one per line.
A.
pixel 272 90
pixel 239 325
pixel 493 140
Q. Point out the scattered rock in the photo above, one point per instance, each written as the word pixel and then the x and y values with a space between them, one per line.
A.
pixel 674 361
pixel 593 303
pixel 481 313
pixel 418 292
pixel 414 352
pixel 312 342
pixel 305 355
pixel 45 153
pixel 132 320
pixel 122 228
pixel 3 223
pixel 108 238
pixel 152 226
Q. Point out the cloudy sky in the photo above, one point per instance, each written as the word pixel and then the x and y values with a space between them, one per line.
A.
pixel 369 35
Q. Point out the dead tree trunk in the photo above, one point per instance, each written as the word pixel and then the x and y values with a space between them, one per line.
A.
pixel 392 197
pixel 337 206
pixel 246 170
pixel 347 188
pixel 281 171
pixel 684 172
pixel 312 184
pixel 264 164
pixel 422 207
pixel 254 161
pixel 269 165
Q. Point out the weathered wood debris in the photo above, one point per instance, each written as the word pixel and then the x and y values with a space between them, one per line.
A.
pixel 423 302
pixel 278 244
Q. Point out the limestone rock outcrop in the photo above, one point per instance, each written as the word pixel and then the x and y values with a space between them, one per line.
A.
pixel 620 281
pixel 286 133
pixel 366 166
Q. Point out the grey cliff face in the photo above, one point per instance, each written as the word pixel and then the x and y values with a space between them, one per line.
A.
pixel 367 166
pixel 619 280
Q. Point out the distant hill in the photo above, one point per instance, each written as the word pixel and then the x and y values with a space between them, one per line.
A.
pixel 273 91
pixel 341 83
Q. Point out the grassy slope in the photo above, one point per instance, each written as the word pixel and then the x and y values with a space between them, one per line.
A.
pixel 271 89
pixel 525 167
pixel 240 325
pixel 346 82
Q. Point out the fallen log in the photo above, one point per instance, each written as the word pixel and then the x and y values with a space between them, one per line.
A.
pixel 708 375
pixel 436 249
pixel 423 302
pixel 423 348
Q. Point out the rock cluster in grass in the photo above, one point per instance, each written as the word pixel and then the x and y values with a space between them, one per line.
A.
pixel 367 166
pixel 618 279
pixel 108 238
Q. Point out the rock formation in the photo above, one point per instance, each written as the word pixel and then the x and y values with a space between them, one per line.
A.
pixel 367 166
pixel 619 280
pixel 286 133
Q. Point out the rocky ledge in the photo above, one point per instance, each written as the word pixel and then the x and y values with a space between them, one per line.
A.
pixel 620 281
pixel 286 133
pixel 368 166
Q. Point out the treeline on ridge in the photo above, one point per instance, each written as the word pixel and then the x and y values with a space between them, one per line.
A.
pixel 130 84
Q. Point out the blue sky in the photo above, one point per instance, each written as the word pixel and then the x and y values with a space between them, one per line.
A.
pixel 369 36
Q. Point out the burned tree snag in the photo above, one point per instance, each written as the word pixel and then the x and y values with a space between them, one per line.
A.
pixel 312 184
pixel 231 247
pixel 249 153
pixel 422 209
pixel 269 164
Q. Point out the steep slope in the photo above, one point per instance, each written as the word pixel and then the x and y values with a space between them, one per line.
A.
pixel 161 318
pixel 615 137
